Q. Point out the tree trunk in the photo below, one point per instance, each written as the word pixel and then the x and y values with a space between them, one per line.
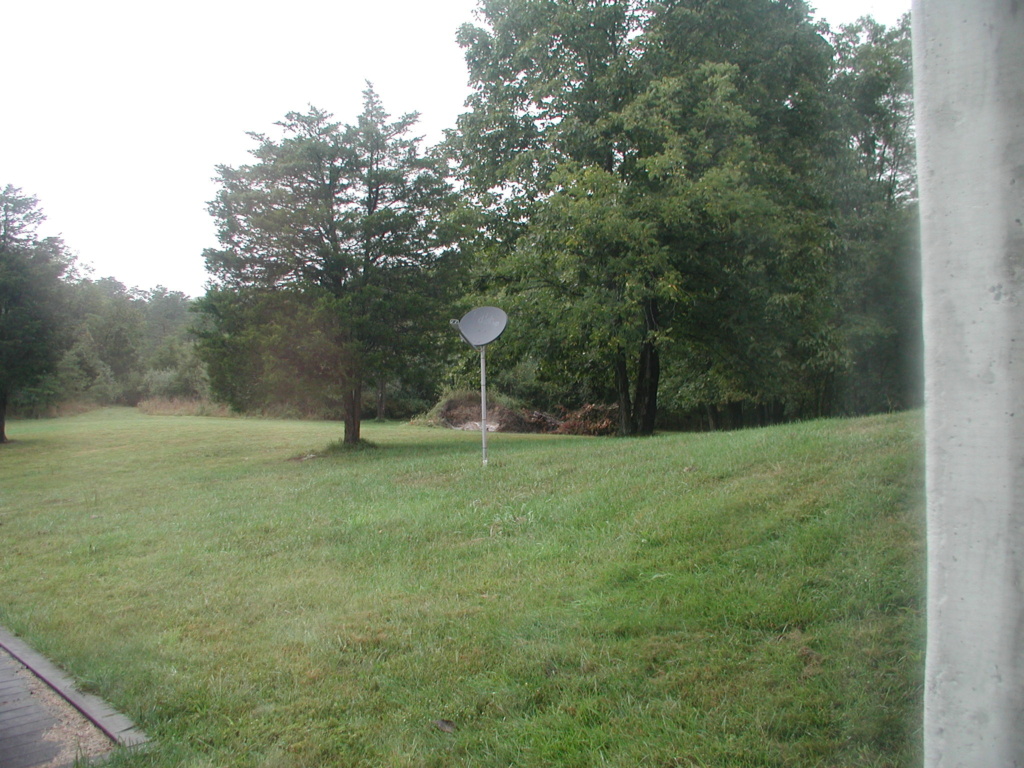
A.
pixel 645 409
pixel 626 427
pixel 353 406
pixel 735 411
pixel 712 422
pixel 3 416
pixel 968 60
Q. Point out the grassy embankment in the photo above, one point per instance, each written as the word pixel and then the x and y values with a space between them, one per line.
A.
pixel 743 599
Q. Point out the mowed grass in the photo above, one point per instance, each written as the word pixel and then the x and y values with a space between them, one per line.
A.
pixel 744 599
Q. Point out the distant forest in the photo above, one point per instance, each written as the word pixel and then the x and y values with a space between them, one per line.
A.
pixel 696 215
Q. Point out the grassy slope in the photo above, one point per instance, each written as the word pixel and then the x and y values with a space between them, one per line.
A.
pixel 743 599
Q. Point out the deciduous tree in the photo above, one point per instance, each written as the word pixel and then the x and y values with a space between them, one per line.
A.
pixel 30 280
pixel 876 263
pixel 654 173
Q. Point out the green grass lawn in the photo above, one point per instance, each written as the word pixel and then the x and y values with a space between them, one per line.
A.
pixel 744 599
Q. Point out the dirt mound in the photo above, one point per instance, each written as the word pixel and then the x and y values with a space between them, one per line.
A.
pixel 462 411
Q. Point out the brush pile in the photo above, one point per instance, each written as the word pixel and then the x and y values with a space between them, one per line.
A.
pixel 462 411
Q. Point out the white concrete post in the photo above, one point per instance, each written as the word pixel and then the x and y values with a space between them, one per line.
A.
pixel 969 95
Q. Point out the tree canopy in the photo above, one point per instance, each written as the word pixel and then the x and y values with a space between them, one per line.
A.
pixel 336 258
pixel 30 279
pixel 655 174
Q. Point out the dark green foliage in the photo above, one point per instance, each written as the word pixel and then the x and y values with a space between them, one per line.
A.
pixel 875 81
pixel 127 345
pixel 78 340
pixel 30 298
pixel 282 349
pixel 702 205
pixel 108 331
pixel 670 160
pixel 877 277
pixel 336 260
pixel 173 368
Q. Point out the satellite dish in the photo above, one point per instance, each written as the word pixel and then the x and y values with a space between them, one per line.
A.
pixel 480 326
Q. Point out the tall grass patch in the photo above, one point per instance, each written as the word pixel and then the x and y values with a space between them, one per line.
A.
pixel 254 599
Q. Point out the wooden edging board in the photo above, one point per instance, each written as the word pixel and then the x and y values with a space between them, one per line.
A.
pixel 116 726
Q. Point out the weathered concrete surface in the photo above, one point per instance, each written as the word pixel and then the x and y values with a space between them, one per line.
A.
pixel 969 94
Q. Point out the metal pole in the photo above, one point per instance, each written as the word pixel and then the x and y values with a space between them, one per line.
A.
pixel 483 402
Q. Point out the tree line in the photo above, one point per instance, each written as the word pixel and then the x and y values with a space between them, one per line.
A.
pixel 701 213
pixel 67 338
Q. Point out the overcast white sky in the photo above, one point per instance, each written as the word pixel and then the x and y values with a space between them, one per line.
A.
pixel 115 112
